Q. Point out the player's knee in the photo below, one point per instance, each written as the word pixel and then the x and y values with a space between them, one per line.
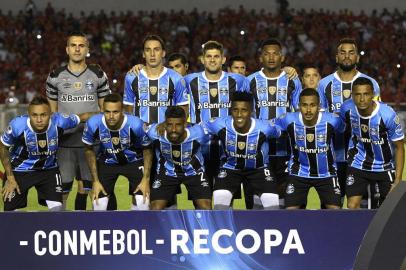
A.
pixel 141 204
pixel 353 204
pixel 332 206
pixel 54 206
pixel 270 201
pixel 101 204
pixel 222 199
pixel 158 205
pixel 203 204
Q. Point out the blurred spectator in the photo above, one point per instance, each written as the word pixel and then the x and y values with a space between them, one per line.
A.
pixel 30 43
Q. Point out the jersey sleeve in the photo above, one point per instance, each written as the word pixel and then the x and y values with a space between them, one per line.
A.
pixel 11 134
pixel 338 123
pixel 140 129
pixel 51 88
pixel 214 125
pixel 271 129
pixel 129 96
pixel 296 94
pixel 67 121
pixel 322 95
pixel 202 136
pixel 181 96
pixel 395 129
pixel 89 132
pixel 103 88
pixel 152 132
pixel 280 122
pixel 377 90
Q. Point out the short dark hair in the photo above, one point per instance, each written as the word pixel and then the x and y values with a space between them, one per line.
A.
pixel 153 37
pixel 178 56
pixel 175 112
pixel 363 81
pixel 76 34
pixel 113 97
pixel 212 45
pixel 309 92
pixel 39 100
pixel 235 58
pixel 271 41
pixel 347 40
pixel 243 96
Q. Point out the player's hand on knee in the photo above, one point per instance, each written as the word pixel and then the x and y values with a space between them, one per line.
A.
pixel 96 189
pixel 291 71
pixel 144 188
pixel 10 188
pixel 136 69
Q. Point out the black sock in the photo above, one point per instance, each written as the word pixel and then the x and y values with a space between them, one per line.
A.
pixel 112 205
pixel 80 201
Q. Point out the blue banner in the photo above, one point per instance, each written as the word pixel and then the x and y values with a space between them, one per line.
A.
pixel 182 239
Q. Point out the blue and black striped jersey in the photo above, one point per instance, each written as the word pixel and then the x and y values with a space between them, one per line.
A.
pixel 184 159
pixel 243 151
pixel 333 93
pixel 312 151
pixel 151 97
pixel 120 146
pixel 370 146
pixel 212 99
pixel 275 97
pixel 31 151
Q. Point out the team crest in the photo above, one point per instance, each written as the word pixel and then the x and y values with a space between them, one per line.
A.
pixel 42 143
pixel 153 90
pixel 213 92
pixel 310 137
pixel 176 153
pixel 115 140
pixel 272 90
pixel 346 93
pixel 241 145
pixel 364 128
pixel 77 85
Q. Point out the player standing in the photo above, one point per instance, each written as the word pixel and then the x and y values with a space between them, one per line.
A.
pixel 76 88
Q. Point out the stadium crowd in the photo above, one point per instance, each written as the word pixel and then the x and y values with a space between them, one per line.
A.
pixel 32 42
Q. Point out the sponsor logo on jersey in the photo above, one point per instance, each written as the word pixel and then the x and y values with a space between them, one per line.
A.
pixel 397 120
pixel 77 85
pixel 252 146
pixel 115 140
pixel 223 91
pixel 321 137
pixel 42 143
pixel 272 90
pixel 269 178
pixel 153 90
pixel 346 93
pixel 241 145
pixel 187 154
pixel 81 98
pixel 300 137
pixel 373 131
pixel 105 140
pixel 261 90
pixel 310 137
pixel 282 91
pixel 163 91
pixel 336 93
pixel 203 91
pixel 89 85
pixel 124 140
pixel 9 130
pixel 143 90
pixel 213 92
pixel 266 103
pixel 52 142
pixel 67 85
pixel 290 189
pixel 231 142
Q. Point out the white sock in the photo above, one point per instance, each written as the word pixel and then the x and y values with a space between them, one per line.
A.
pixel 140 203
pixel 270 201
pixel 222 199
pixel 54 206
pixel 102 206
